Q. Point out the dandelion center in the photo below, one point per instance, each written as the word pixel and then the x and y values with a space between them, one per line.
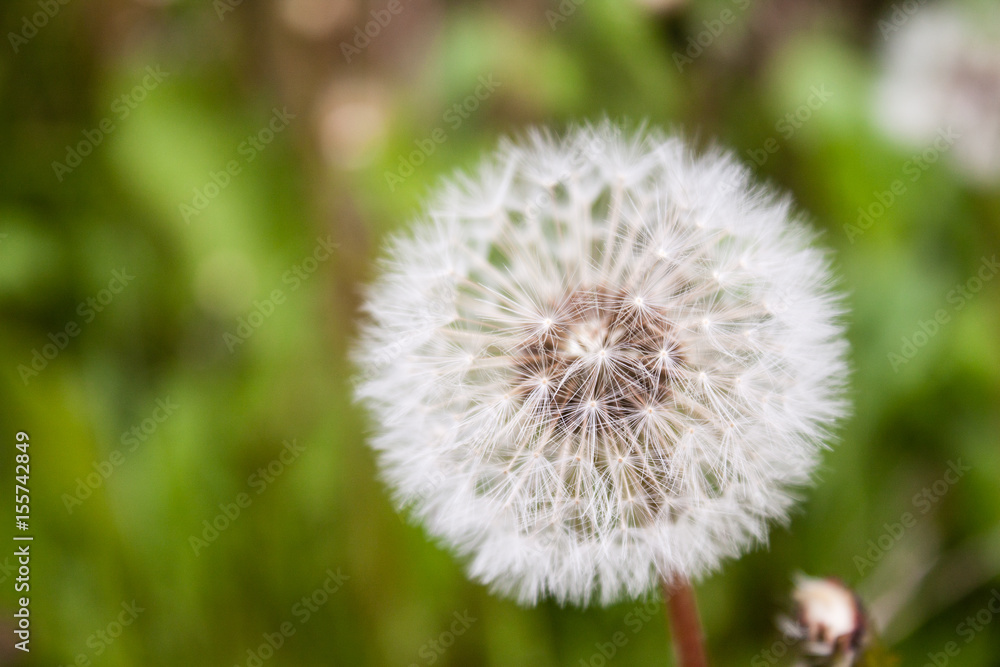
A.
pixel 598 380
pixel 604 361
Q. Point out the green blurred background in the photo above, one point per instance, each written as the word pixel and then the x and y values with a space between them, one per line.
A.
pixel 231 164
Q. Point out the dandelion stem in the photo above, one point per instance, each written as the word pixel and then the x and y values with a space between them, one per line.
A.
pixel 685 626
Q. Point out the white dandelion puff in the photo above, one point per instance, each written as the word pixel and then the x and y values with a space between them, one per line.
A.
pixel 616 359
pixel 940 87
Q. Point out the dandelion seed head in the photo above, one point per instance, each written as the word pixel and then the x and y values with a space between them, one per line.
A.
pixel 610 421
pixel 939 91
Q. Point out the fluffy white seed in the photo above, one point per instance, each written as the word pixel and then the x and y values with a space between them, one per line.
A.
pixel 601 360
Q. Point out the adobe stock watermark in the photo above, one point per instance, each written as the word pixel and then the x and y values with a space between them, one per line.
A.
pixel 585 154
pixel 302 611
pixel 6 569
pixel 790 123
pixel 442 297
pixel 893 532
pixel 130 441
pixel 101 639
pixel 248 150
pixel 293 278
pixel 967 630
pixel 432 650
pixel 923 502
pixel 223 7
pixel 88 311
pixel 363 35
pixel 120 109
pixel 773 654
pixel 901 13
pixel 712 30
pixel 453 117
pixel 258 482
pixel 635 620
pixel 912 170
pixel 958 297
pixel 426 488
pixel 562 13
pixel 30 25
pixel 438 309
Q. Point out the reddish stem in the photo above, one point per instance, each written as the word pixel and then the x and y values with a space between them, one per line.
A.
pixel 682 613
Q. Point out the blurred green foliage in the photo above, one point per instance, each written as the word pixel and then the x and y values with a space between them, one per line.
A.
pixel 324 177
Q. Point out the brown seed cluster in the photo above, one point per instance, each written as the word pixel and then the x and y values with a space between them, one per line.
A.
pixel 602 359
